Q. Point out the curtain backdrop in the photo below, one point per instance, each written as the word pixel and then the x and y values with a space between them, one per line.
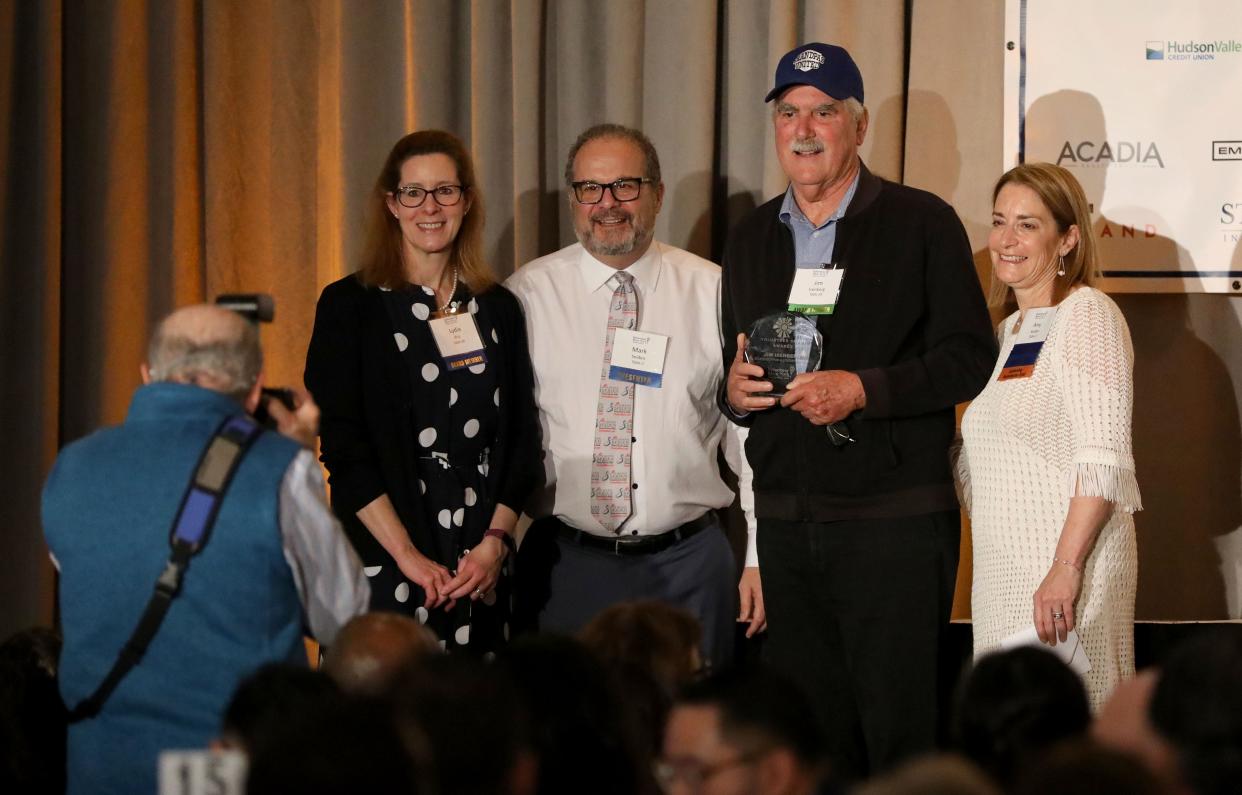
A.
pixel 159 152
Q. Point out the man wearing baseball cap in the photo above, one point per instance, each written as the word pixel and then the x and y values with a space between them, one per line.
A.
pixel 858 520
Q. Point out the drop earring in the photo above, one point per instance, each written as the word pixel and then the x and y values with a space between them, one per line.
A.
pixel 1060 264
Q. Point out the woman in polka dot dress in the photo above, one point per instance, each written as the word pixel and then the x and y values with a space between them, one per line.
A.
pixel 428 429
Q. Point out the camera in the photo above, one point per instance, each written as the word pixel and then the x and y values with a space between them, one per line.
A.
pixel 259 308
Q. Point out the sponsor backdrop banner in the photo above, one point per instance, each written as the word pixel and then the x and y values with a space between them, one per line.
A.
pixel 1142 101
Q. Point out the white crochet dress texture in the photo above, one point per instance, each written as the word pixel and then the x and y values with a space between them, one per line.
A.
pixel 1029 445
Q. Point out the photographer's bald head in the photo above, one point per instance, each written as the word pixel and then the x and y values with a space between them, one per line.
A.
pixel 210 347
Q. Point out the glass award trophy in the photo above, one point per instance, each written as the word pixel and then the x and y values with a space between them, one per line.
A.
pixel 784 344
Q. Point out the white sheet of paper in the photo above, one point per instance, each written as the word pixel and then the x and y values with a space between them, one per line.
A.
pixel 1070 650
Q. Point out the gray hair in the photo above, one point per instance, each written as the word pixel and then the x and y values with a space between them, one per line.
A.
pixel 227 362
pixel 855 108
pixel 851 104
pixel 630 134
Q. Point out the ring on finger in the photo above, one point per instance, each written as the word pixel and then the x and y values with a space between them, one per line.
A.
pixel 1058 615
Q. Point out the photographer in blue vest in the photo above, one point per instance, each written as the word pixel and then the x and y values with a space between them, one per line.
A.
pixel 155 643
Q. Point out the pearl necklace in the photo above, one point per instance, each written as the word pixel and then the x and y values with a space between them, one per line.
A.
pixel 452 292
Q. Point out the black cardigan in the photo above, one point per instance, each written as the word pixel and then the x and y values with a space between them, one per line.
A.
pixel 368 435
pixel 911 322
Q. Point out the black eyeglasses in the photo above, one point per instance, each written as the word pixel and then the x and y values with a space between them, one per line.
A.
pixel 445 195
pixel 625 189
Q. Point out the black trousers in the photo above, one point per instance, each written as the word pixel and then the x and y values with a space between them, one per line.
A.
pixel 857 614
pixel 561 586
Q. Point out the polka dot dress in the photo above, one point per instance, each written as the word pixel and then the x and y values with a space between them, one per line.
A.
pixel 455 416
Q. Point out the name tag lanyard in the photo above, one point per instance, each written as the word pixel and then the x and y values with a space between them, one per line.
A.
pixel 1036 325
pixel 457 339
pixel 816 291
pixel 638 357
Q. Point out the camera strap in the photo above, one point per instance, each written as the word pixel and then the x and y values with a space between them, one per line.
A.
pixel 190 532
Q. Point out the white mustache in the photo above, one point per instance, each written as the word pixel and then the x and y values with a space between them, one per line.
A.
pixel 614 215
pixel 806 146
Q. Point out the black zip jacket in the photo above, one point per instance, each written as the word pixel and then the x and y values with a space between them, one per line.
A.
pixel 910 321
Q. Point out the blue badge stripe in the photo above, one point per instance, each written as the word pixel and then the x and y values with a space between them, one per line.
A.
pixel 1024 354
pixel 632 376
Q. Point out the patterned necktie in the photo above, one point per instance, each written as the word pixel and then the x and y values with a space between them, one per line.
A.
pixel 614 419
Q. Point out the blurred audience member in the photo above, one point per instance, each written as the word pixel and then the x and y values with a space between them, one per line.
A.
pixel 942 774
pixel 276 695
pixel 651 650
pixel 579 731
pixel 372 648
pixel 1085 768
pixel 742 732
pixel 32 717
pixel 1013 706
pixel 1124 725
pixel 468 717
pixel 1197 707
pixel 345 746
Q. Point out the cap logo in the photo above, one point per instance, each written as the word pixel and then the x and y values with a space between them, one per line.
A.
pixel 808 60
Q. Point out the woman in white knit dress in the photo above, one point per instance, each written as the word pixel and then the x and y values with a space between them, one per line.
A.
pixel 1046 467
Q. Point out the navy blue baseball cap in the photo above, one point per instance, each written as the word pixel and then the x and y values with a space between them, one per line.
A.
pixel 825 66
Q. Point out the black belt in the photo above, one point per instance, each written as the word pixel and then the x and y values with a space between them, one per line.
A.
pixel 636 545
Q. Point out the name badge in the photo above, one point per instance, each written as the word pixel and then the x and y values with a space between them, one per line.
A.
pixel 457 338
pixel 1030 340
pixel 815 290
pixel 638 357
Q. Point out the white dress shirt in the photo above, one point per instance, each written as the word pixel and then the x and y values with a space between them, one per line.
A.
pixel 326 570
pixel 677 427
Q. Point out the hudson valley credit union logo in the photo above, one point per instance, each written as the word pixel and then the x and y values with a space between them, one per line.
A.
pixel 808 60
pixel 1108 153
pixel 1192 50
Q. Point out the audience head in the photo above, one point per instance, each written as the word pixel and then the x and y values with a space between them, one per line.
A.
pixel 578 729
pixel 1124 725
pixel 207 346
pixel 372 648
pixel 273 696
pixel 347 745
pixel 466 715
pixel 1062 217
pixel 33 720
pixel 1197 707
pixel 1085 768
pixel 651 650
pixel 942 774
pixel 1014 705
pixel 383 262
pixel 654 636
pixel 742 731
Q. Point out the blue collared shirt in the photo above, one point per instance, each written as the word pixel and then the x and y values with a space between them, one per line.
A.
pixel 813 244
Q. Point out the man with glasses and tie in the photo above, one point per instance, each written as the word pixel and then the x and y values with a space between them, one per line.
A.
pixel 625 343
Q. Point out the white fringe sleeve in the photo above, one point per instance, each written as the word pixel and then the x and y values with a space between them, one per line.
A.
pixel 1098 383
